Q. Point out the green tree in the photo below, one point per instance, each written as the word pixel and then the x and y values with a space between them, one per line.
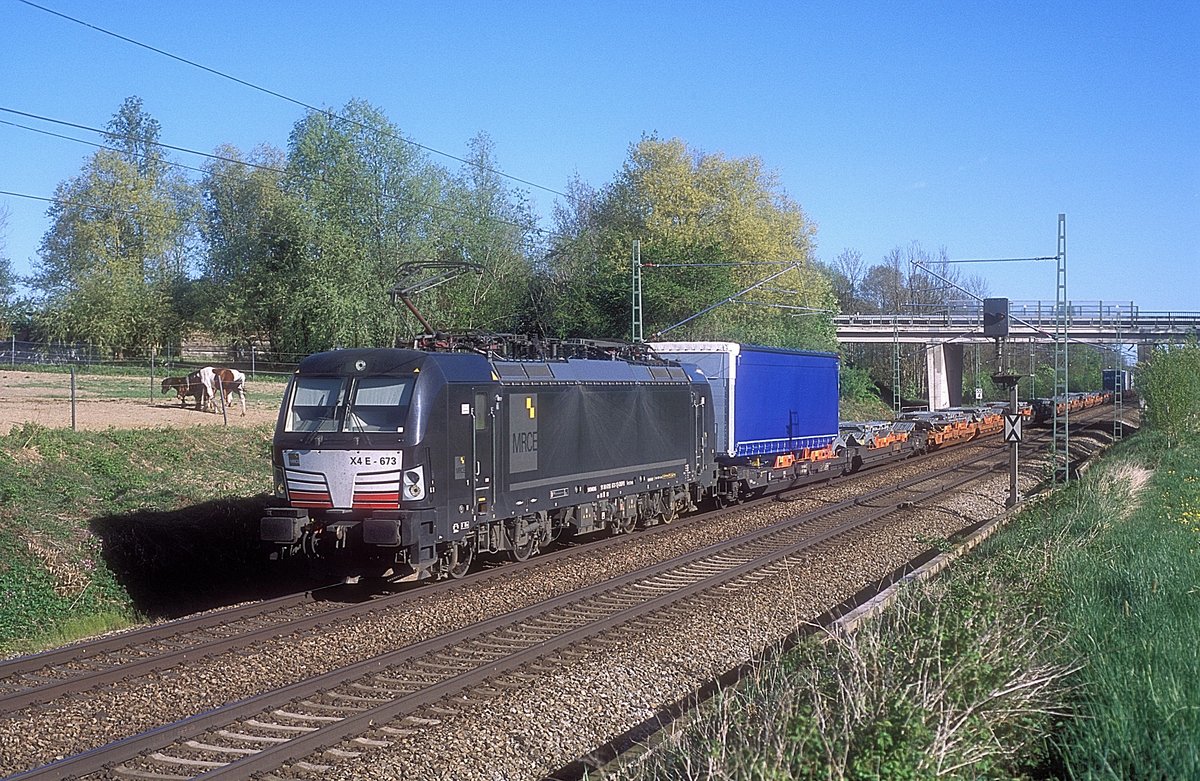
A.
pixel 369 198
pixel 1170 383
pixel 700 219
pixel 258 235
pixel 484 222
pixel 304 246
pixel 116 254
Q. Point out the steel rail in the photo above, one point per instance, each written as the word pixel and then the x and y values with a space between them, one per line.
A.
pixel 20 674
pixel 356 724
pixel 604 759
pixel 104 757
pixel 152 633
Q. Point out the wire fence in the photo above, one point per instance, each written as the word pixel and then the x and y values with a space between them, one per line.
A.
pixel 16 352
pixel 59 385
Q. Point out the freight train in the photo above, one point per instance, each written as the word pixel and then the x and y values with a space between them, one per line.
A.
pixel 416 461
pixel 1045 409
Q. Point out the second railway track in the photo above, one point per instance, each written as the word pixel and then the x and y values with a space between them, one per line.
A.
pixel 287 725
pixel 476 663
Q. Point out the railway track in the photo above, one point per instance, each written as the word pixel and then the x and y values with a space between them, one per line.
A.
pixel 78 668
pixel 603 759
pixel 339 713
pixel 411 687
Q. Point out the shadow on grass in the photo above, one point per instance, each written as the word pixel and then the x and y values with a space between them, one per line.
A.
pixel 198 558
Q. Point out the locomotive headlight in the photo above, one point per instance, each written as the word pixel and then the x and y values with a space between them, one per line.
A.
pixel 414 483
pixel 280 484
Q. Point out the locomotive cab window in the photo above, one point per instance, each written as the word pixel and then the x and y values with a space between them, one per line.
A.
pixel 380 404
pixel 315 403
pixel 377 404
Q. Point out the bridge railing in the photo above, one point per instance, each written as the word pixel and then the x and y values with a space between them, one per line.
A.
pixel 1042 313
pixel 1097 317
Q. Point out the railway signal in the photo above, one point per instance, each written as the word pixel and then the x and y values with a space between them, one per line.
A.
pixel 1012 428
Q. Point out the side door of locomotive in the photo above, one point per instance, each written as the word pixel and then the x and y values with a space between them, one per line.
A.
pixel 483 450
pixel 702 415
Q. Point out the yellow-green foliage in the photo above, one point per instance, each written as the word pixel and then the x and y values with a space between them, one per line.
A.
pixel 1170 382
pixel 709 227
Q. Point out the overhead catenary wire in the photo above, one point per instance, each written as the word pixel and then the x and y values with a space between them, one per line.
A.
pixel 309 107
pixel 288 98
pixel 235 161
pixel 380 131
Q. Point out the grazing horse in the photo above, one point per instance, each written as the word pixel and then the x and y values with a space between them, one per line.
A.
pixel 180 385
pixel 230 381
pixel 198 384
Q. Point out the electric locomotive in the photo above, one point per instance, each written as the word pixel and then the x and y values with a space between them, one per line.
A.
pixel 406 461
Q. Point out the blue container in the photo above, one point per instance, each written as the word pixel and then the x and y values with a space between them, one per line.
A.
pixel 767 400
pixel 1116 379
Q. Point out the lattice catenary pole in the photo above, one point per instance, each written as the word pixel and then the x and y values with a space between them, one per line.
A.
pixel 1062 442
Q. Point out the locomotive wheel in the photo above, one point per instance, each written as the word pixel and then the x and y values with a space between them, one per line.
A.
pixel 624 525
pixel 730 499
pixel 462 555
pixel 522 544
pixel 524 551
pixel 670 512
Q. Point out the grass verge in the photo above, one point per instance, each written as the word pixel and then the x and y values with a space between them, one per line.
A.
pixel 98 529
pixel 1065 647
pixel 1131 599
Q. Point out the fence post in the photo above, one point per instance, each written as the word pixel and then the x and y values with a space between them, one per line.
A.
pixel 152 350
pixel 253 349
pixel 73 397
pixel 221 393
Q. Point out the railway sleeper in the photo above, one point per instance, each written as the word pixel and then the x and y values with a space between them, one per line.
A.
pixel 247 738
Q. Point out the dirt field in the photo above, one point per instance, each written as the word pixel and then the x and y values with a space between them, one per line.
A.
pixel 101 402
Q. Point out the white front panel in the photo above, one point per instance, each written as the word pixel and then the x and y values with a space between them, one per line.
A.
pixel 341 472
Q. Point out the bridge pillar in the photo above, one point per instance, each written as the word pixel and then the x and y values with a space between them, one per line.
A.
pixel 1144 351
pixel 944 370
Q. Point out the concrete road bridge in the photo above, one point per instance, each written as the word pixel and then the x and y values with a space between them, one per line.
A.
pixel 945 331
pixel 1031 321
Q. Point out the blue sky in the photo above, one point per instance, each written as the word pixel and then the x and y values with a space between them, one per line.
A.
pixel 968 125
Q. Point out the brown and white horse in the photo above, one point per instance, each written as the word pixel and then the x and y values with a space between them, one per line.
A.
pixel 229 382
pixel 205 383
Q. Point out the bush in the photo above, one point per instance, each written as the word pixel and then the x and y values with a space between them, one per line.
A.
pixel 857 385
pixel 1170 383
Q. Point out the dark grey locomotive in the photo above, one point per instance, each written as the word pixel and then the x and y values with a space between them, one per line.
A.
pixel 413 461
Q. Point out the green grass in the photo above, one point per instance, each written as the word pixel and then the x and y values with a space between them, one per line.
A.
pixel 1131 600
pixel 868 409
pixel 93 523
pixel 1067 646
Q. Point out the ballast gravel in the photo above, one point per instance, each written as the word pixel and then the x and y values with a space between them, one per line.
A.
pixel 528 732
